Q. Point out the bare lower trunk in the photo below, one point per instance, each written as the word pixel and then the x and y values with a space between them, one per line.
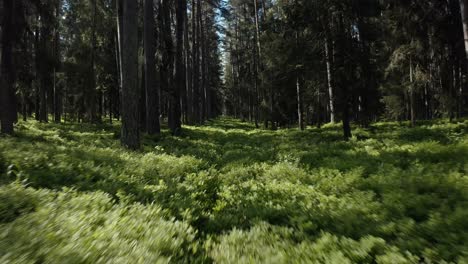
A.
pixel 188 72
pixel 7 92
pixel 411 95
pixel 130 90
pixel 180 73
pixel 300 108
pixel 464 14
pixel 202 44
pixel 151 90
pixel 195 63
pixel 329 63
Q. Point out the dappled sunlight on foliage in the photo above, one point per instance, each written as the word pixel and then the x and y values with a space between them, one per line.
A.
pixel 227 192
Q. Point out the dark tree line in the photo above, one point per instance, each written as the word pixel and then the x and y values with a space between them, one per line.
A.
pixel 141 62
pixel 308 62
pixel 294 62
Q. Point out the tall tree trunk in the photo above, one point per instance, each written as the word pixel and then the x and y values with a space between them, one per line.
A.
pixel 91 95
pixel 152 96
pixel 258 64
pixel 167 56
pixel 119 7
pixel 202 44
pixel 45 64
pixel 329 63
pixel 180 69
pixel 7 92
pixel 411 95
pixel 344 44
pixel 188 72
pixel 300 107
pixel 195 63
pixel 130 137
pixel 57 64
pixel 464 14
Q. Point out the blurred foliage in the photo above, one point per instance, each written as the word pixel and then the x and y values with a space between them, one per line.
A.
pixel 227 192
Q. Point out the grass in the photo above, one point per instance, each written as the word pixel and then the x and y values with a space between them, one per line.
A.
pixel 229 193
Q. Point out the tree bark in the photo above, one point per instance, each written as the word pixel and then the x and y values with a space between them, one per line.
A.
pixel 57 64
pixel 411 95
pixel 300 107
pixel 180 72
pixel 329 63
pixel 464 14
pixel 202 44
pixel 152 95
pixel 7 92
pixel 130 137
pixel 45 63
pixel 188 72
pixel 195 63
pixel 91 95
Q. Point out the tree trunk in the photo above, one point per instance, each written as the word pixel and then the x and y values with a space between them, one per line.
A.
pixel 329 62
pixel 180 73
pixel 300 108
pixel 195 63
pixel 44 64
pixel 119 7
pixel 167 57
pixel 130 137
pixel 188 71
pixel 411 95
pixel 7 92
pixel 91 96
pixel 202 44
pixel 57 64
pixel 152 96
pixel 464 14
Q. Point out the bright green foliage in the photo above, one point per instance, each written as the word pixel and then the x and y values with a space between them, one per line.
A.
pixel 227 192
pixel 270 244
pixel 90 228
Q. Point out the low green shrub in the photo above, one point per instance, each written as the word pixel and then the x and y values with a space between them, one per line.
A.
pixel 90 228
pixel 229 192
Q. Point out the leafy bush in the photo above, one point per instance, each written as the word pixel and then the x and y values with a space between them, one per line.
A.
pixel 90 228
pixel 16 201
pixel 269 244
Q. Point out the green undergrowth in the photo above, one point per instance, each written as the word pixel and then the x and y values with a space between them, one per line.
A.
pixel 229 193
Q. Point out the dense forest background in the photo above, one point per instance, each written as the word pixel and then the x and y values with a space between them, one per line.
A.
pixel 274 63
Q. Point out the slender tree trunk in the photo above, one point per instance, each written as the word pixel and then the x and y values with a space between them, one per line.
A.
pixel 91 95
pixel 119 7
pixel 167 59
pixel 464 14
pixel 130 91
pixel 152 96
pixel 411 95
pixel 57 57
pixel 188 72
pixel 329 63
pixel 44 63
pixel 257 61
pixel 180 73
pixel 343 45
pixel 202 44
pixel 300 107
pixel 37 72
pixel 195 62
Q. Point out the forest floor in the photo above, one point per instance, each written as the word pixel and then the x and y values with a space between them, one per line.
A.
pixel 229 193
